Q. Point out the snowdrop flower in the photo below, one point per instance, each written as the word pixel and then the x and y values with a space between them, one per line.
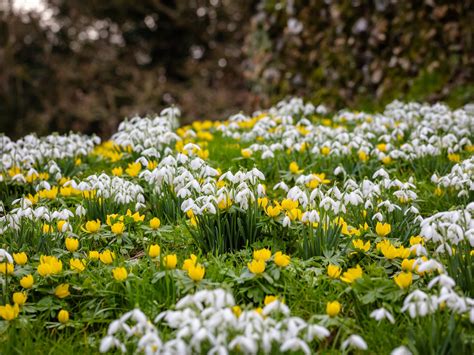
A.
pixel 354 341
pixel 382 313
pixel 401 350
pixel 4 254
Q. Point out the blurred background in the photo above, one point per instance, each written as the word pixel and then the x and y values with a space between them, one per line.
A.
pixel 85 65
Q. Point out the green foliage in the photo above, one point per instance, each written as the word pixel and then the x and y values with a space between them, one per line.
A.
pixel 227 230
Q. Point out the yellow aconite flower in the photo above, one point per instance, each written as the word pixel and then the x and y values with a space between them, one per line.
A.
pixel 333 308
pixel 294 214
pixel 269 299
pixel 383 229
pixel 237 311
pixel 93 226
pixel 107 257
pixel 189 262
pixel 133 169
pixel 316 180
pixel 19 298
pixel 403 279
pixel 262 254
pixel 72 244
pixel 9 312
pixel 6 268
pixel 118 171
pixel 281 259
pixel 47 228
pixel 416 240
pixel 294 168
pixel 389 251
pixel 20 258
pixel 77 265
pixel 62 291
pixel 334 271
pixel 152 164
pixel 63 316
pixel 155 223
pixel 273 211
pixel 288 204
pixel 120 273
pixel 27 281
pixel 196 272
pixel 246 153
pixel 382 147
pixel 137 217
pixel 408 265
pixel 112 218
pixel 94 255
pixel 352 274
pixel 49 265
pixel 455 158
pixel 62 226
pixel 325 150
pixel 362 156
pixel 256 266
pixel 224 203
pixel 117 228
pixel 262 202
pixel 359 244
pixel 170 261
pixel 154 250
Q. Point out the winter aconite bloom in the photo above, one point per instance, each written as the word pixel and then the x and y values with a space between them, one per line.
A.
pixel 246 153
pixel 403 279
pixel 19 298
pixel 155 223
pixel 72 244
pixel 27 281
pixel 49 265
pixel 118 171
pixel 196 272
pixel 6 268
pixel 120 273
pixel 256 266
pixel 62 291
pixel 154 250
pixel 352 274
pixel 281 259
pixel 360 245
pixel 189 262
pixel 63 316
pixel 8 312
pixel 133 169
pixel 294 168
pixel 334 271
pixel 20 258
pixel 383 229
pixel 333 308
pixel 262 254
pixel 78 265
pixel 273 211
pixel 94 255
pixel 107 257
pixel 170 261
pixel 118 228
pixel 93 226
pixel 269 299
